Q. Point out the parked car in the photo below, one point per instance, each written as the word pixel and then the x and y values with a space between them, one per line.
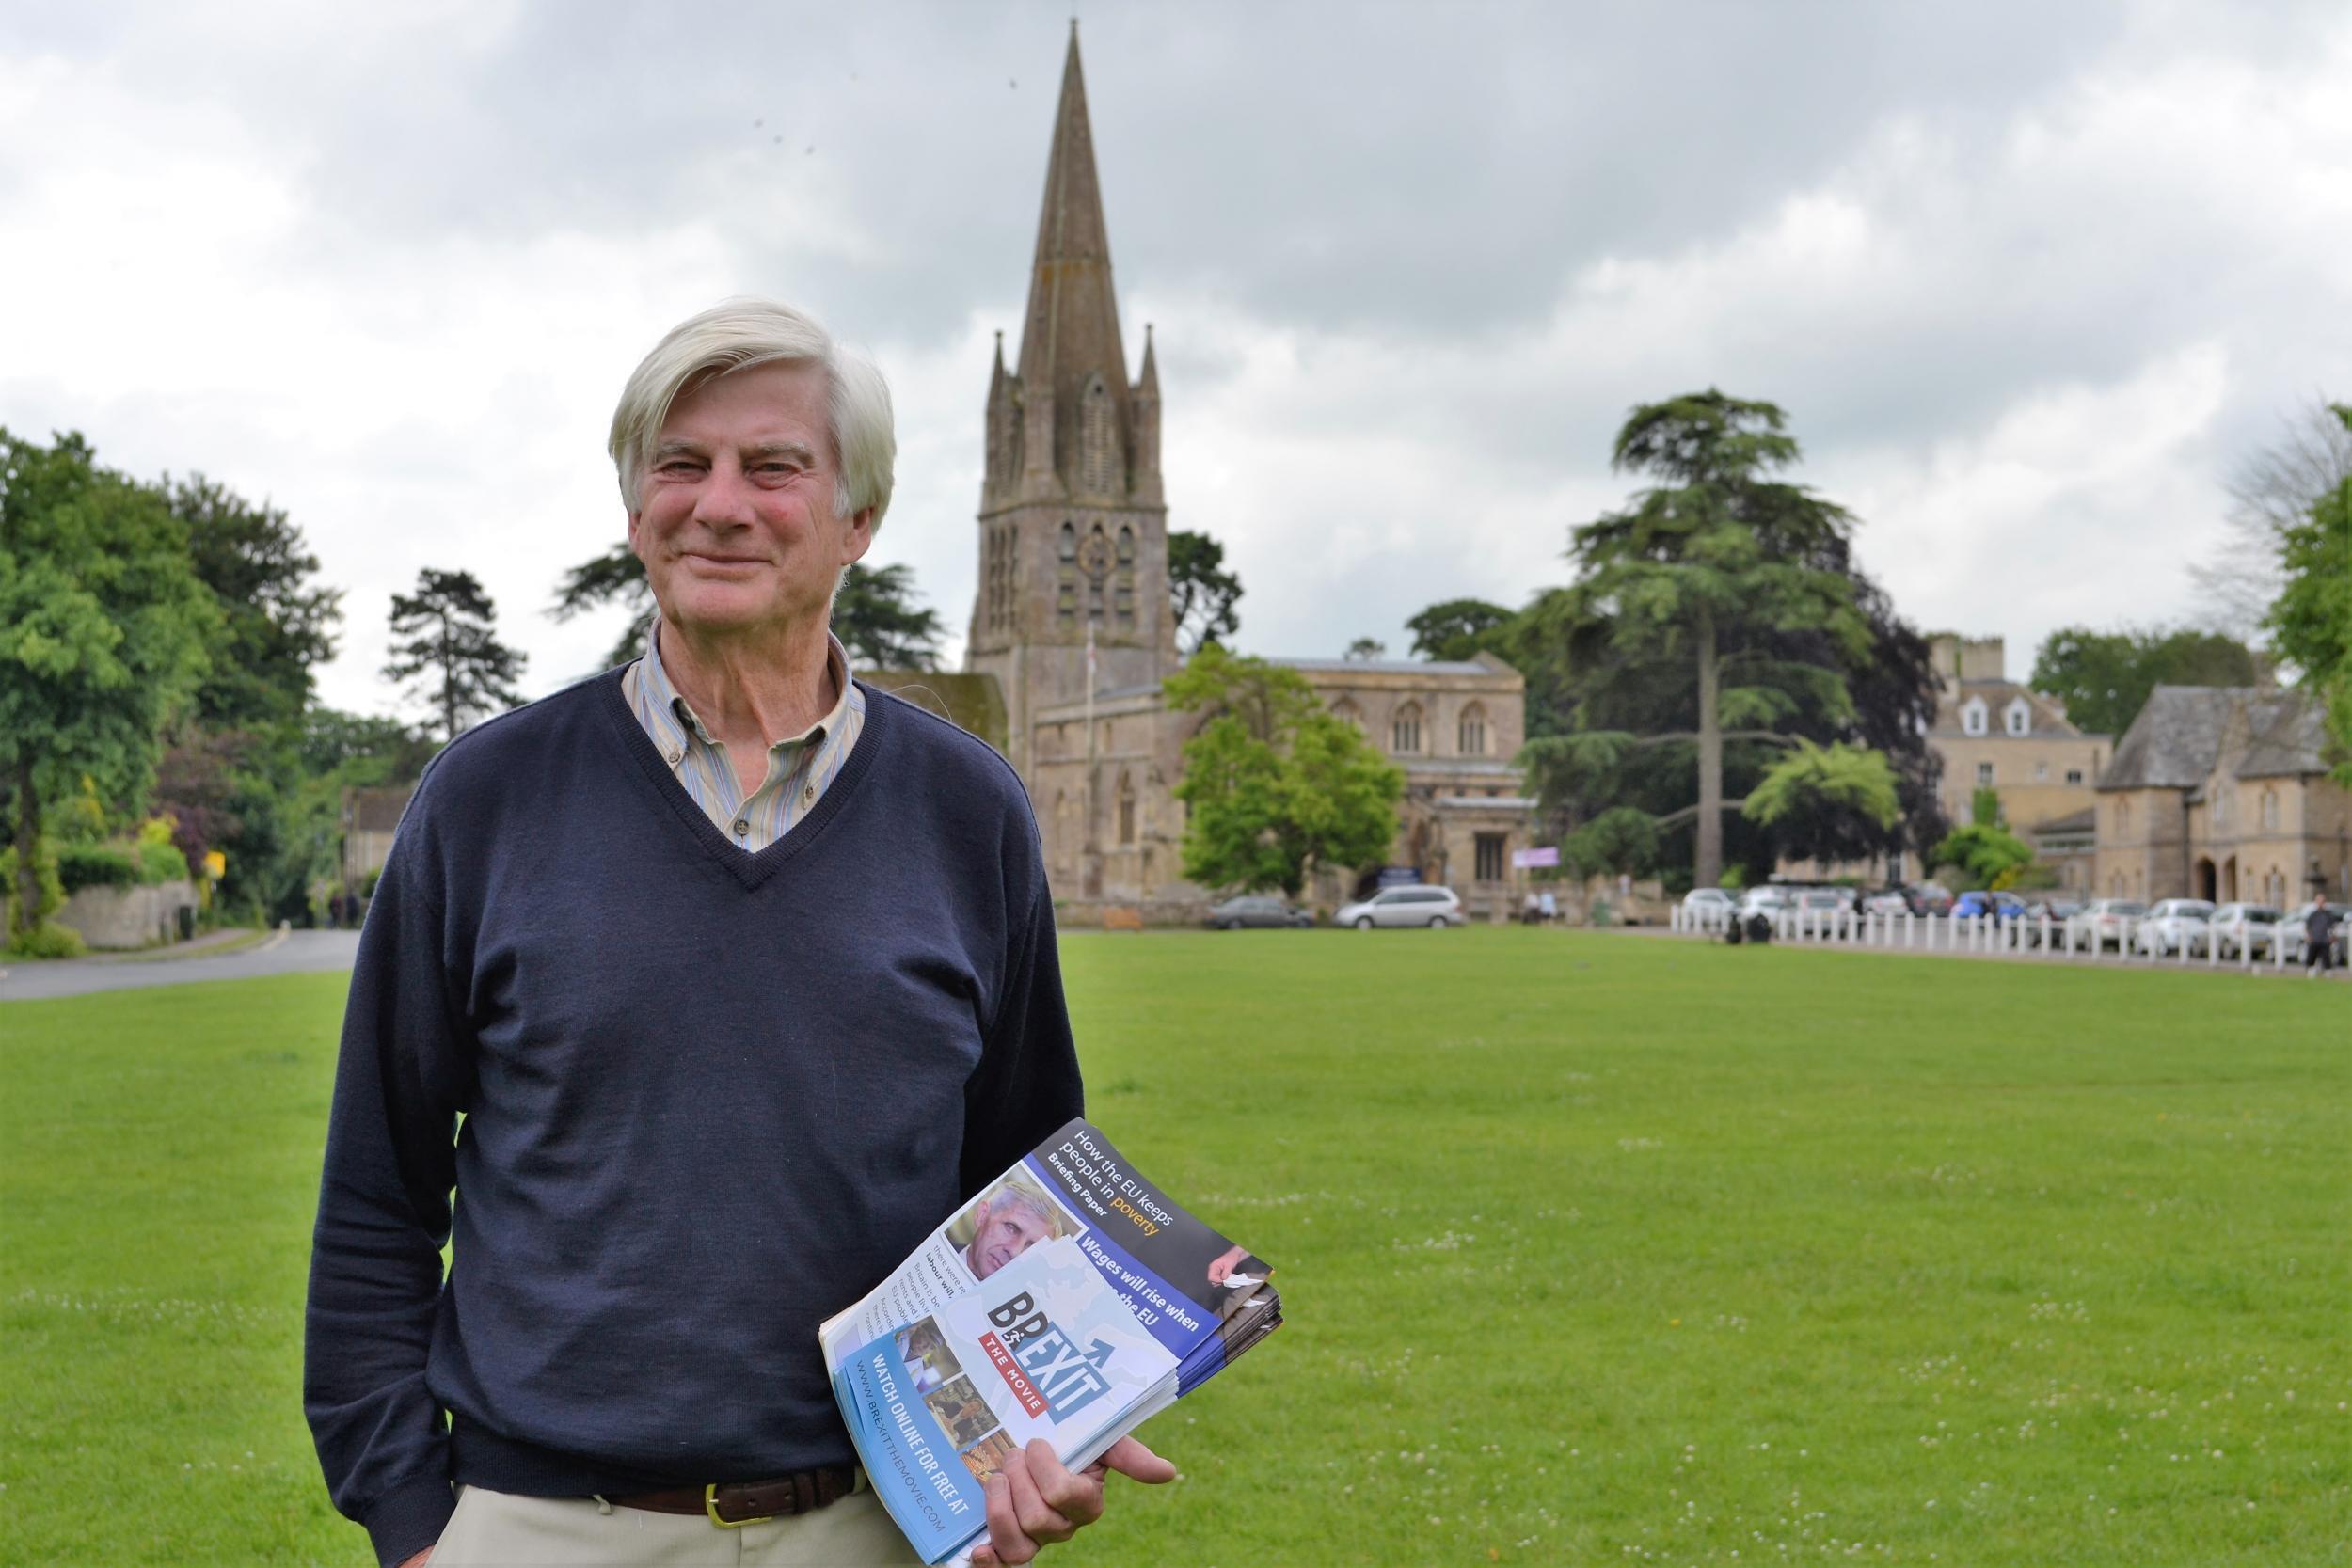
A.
pixel 1258 910
pixel 1893 900
pixel 1766 900
pixel 2174 926
pixel 2058 912
pixel 1710 903
pixel 2291 933
pixel 2105 922
pixel 2002 907
pixel 2237 930
pixel 1434 907
pixel 1931 898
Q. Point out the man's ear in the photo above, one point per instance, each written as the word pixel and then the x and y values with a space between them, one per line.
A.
pixel 858 539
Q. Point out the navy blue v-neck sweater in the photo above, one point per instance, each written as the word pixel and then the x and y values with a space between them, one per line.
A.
pixel 708 1098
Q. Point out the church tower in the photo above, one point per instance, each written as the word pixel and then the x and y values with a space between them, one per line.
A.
pixel 1073 526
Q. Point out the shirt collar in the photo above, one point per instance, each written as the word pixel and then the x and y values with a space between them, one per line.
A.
pixel 663 698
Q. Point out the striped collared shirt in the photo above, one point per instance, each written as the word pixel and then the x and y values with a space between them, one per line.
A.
pixel 800 767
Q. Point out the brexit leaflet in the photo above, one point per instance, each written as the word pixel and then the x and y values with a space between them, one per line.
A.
pixel 1071 1300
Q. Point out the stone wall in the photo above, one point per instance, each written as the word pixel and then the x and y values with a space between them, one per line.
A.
pixel 128 917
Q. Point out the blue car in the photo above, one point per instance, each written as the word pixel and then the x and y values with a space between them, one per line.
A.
pixel 2000 905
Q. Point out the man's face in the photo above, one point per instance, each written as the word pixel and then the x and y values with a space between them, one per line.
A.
pixel 735 516
pixel 1006 1230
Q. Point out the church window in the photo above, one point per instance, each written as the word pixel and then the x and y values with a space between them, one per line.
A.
pixel 1066 601
pixel 2018 717
pixel 1471 733
pixel 1126 809
pixel 1972 716
pixel 2270 811
pixel 1346 710
pixel 1404 729
pixel 1984 775
pixel 1123 588
pixel 1489 847
pixel 2073 775
pixel 1098 440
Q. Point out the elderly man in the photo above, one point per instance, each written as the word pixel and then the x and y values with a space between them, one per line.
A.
pixel 741 976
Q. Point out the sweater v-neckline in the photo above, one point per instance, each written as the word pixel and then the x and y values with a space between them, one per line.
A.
pixel 749 867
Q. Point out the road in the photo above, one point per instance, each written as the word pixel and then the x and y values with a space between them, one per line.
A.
pixel 282 952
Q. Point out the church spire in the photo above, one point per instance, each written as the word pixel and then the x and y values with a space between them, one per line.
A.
pixel 1071 353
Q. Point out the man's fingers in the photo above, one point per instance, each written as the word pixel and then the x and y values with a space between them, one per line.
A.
pixel 1078 1499
pixel 1039 1484
pixel 1006 1544
pixel 1137 1462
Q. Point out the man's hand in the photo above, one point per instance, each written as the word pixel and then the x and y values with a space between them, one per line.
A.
pixel 419 1560
pixel 1037 1499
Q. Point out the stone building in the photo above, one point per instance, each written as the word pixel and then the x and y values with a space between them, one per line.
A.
pixel 2223 793
pixel 1072 617
pixel 1993 733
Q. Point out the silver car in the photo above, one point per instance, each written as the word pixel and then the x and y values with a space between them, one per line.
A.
pixel 1434 907
pixel 2174 926
pixel 2239 931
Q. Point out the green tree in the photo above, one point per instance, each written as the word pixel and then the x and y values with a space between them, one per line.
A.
pixel 231 776
pixel 617 576
pixel 2104 678
pixel 1809 791
pixel 1365 649
pixel 1201 592
pixel 1623 839
pixel 1985 855
pixel 446 639
pixel 104 626
pixel 1274 785
pixel 2311 624
pixel 1459 629
pixel 881 620
pixel 277 623
pixel 1684 591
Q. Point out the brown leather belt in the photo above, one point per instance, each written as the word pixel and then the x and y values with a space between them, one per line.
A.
pixel 735 1504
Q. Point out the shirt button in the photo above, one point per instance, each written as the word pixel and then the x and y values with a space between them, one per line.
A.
pixel 808 796
pixel 741 827
pixel 675 756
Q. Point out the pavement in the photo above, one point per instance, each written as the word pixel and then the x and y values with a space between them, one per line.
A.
pixel 279 953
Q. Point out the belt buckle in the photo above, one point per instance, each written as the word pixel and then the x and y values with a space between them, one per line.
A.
pixel 710 1506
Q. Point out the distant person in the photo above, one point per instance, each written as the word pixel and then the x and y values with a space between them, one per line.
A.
pixel 1548 907
pixel 1531 910
pixel 2319 936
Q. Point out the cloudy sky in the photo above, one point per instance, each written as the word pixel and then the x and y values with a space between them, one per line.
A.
pixel 2028 278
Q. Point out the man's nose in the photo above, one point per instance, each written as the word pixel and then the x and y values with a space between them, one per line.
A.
pixel 725 499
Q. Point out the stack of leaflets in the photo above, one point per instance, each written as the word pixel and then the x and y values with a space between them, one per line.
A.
pixel 1071 1300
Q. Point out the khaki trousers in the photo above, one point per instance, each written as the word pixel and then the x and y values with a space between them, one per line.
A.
pixel 494 1529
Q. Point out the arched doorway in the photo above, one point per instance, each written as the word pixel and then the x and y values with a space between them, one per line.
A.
pixel 2206 881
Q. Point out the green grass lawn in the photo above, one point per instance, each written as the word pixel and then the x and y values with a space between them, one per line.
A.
pixel 1596 1249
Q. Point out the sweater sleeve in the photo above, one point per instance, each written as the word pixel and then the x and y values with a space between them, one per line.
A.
pixel 1027 1084
pixel 384 1215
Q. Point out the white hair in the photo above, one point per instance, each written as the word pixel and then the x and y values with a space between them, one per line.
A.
pixel 737 334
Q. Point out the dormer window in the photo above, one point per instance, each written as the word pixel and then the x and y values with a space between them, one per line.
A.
pixel 2018 717
pixel 1972 716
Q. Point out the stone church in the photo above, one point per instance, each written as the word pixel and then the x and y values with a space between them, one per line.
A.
pixel 1073 624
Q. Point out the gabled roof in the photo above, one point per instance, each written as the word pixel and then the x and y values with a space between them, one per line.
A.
pixel 2177 740
pixel 2286 736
